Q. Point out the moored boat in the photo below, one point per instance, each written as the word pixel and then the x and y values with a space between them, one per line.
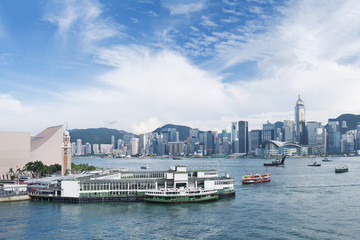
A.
pixel 182 195
pixel 256 178
pixel 341 169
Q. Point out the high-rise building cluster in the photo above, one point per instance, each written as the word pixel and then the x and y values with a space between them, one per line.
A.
pixel 290 137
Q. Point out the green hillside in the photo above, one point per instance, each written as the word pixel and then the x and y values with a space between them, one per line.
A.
pixel 184 131
pixel 350 119
pixel 96 135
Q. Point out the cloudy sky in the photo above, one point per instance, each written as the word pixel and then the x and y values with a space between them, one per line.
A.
pixel 137 65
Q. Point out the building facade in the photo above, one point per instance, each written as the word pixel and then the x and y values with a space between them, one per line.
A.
pixel 17 149
pixel 243 137
pixel 300 119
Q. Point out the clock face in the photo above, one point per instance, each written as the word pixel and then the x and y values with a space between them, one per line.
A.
pixel 65 153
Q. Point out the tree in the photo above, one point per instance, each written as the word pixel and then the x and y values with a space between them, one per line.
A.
pixel 11 171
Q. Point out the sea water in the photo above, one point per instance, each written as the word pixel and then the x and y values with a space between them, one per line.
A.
pixel 300 202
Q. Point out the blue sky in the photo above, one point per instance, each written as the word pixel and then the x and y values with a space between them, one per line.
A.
pixel 136 65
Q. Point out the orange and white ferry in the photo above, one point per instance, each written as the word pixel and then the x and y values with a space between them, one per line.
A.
pixel 256 178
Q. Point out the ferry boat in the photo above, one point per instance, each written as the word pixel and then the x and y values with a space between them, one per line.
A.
pixel 341 169
pixel 133 186
pixel 182 195
pixel 256 178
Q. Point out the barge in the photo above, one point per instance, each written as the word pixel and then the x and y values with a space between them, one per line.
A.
pixel 120 186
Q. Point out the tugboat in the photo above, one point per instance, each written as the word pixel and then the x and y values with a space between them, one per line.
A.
pixel 256 178
pixel 277 162
pixel 182 195
pixel 315 164
pixel 341 169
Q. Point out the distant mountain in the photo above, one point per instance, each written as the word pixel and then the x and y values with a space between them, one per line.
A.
pixel 350 119
pixel 96 135
pixel 184 131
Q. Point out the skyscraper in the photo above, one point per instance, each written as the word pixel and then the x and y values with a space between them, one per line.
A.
pixel 300 121
pixel 268 132
pixel 209 143
pixel 256 138
pixel 333 137
pixel 316 135
pixel 78 147
pixel 288 130
pixel 113 141
pixel 243 137
pixel 234 136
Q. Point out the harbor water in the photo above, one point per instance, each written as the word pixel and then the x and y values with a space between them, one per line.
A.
pixel 300 202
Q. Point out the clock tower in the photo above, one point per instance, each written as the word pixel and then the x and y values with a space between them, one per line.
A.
pixel 66 154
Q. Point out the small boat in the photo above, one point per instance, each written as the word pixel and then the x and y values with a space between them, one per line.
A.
pixel 315 164
pixel 182 195
pixel 341 169
pixel 256 178
pixel 326 160
pixel 276 163
pixel 145 166
pixel 176 158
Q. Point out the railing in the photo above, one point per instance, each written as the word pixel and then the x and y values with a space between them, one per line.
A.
pixel 11 193
pixel 174 191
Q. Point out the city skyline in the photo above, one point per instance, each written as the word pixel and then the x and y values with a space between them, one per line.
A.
pixel 137 65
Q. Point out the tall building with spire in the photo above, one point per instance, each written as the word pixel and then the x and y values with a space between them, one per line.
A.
pixel 300 131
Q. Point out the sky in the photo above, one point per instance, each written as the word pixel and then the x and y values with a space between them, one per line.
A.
pixel 138 65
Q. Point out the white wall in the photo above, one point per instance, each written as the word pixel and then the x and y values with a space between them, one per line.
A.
pixel 70 188
pixel 209 174
pixel 209 184
pixel 17 149
pixel 14 151
pixel 180 176
pixel 50 152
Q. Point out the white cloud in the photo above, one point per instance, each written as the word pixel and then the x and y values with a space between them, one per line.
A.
pixel 135 20
pixel 144 127
pixel 313 53
pixel 184 8
pixel 206 22
pixel 8 103
pixel 152 13
pixel 310 49
pixel 81 19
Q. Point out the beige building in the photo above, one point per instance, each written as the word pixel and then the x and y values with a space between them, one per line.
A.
pixel 17 149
